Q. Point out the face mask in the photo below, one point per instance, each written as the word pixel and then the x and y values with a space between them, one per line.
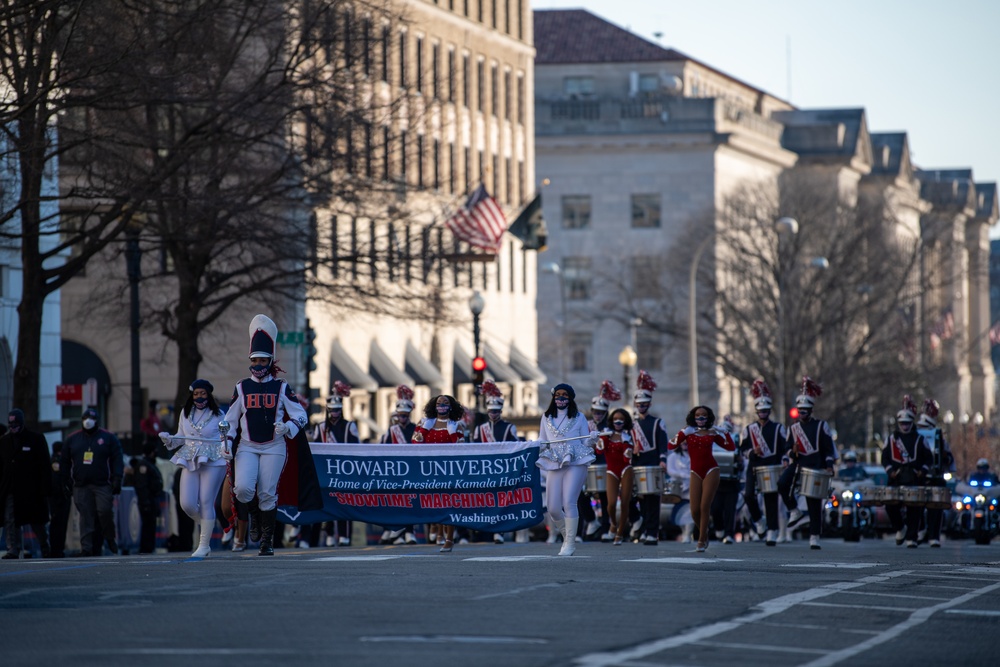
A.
pixel 89 424
pixel 260 372
pixel 14 427
pixel 334 415
pixel 443 409
pixel 763 415
pixel 200 403
pixel 700 420
pixel 493 414
pixel 642 408
pixel 619 424
pixel 561 402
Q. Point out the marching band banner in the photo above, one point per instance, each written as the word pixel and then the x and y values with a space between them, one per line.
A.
pixel 493 487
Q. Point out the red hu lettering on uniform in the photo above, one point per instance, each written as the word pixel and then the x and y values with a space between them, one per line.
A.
pixel 267 401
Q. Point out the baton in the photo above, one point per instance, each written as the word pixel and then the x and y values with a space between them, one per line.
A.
pixel 578 437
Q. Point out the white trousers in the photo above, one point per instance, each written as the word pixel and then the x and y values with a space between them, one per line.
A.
pixel 199 489
pixel 562 488
pixel 258 473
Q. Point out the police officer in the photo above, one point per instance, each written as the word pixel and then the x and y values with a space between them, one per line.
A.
pixel 92 461
pixel 25 484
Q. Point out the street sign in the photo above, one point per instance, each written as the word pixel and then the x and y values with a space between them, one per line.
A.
pixel 291 338
pixel 69 394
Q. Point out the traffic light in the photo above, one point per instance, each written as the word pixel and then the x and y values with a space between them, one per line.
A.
pixel 793 413
pixel 478 371
pixel 309 348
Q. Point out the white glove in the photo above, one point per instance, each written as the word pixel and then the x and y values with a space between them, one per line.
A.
pixel 227 450
pixel 280 429
pixel 593 439
pixel 600 445
pixel 168 440
pixel 628 454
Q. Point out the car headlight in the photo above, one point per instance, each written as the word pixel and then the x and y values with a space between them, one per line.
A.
pixel 959 506
pixel 981 499
pixel 947 477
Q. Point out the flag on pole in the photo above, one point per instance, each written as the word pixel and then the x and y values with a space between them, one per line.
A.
pixel 529 225
pixel 480 222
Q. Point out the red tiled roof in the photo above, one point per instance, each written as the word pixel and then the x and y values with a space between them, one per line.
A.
pixel 577 36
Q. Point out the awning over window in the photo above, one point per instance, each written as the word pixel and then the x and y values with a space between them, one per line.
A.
pixel 499 368
pixel 462 366
pixel 422 369
pixel 343 367
pixel 525 367
pixel 382 368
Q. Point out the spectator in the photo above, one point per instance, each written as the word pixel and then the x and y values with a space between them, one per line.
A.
pixel 25 484
pixel 92 460
pixel 148 484
pixel 59 506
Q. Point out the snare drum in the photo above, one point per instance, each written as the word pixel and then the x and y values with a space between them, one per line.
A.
pixel 892 495
pixel 727 463
pixel 767 478
pixel 596 478
pixel 649 480
pixel 913 496
pixel 673 492
pixel 938 497
pixel 814 483
pixel 870 496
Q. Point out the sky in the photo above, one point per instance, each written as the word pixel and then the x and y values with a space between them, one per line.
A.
pixel 927 67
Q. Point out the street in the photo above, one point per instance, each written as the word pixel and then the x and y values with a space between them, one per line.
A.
pixel 634 605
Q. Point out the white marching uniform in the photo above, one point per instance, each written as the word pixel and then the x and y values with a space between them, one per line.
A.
pixel 202 463
pixel 259 406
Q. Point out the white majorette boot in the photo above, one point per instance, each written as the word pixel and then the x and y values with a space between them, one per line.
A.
pixel 569 537
pixel 205 540
pixel 555 528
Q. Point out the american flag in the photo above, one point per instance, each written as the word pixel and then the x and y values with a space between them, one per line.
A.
pixel 480 222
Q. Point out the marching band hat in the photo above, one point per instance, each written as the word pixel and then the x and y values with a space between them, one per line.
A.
pixel 644 388
pixel 494 397
pixel 811 390
pixel 609 394
pixel 341 390
pixel 909 411
pixel 404 399
pixel 263 333
pixel 928 418
pixel 761 395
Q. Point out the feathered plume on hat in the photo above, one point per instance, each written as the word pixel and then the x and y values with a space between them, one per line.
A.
pixel 928 419
pixel 609 392
pixel 494 397
pixel 645 385
pixel 909 411
pixel 811 390
pixel 341 390
pixel 404 399
pixel 601 402
pixel 761 395
pixel 263 333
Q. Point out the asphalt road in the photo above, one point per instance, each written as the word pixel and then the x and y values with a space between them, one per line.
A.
pixel 869 603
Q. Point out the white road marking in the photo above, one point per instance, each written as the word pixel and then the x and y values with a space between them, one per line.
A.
pixel 682 560
pixel 973 612
pixel 366 558
pixel 193 651
pixel 517 591
pixel 873 607
pixel 764 647
pixel 510 559
pixel 895 595
pixel 766 609
pixel 918 617
pixel 455 639
pixel 837 565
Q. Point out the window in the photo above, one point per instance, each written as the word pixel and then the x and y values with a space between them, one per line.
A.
pixel 435 67
pixel 579 85
pixel 451 167
pixel 506 94
pixel 577 277
pixel 420 65
pixel 385 53
pixel 402 60
pixel 520 99
pixel 451 75
pixel 402 157
pixel 508 180
pixel 580 348
pixel 481 83
pixel 576 212
pixel 494 90
pixel 437 164
pixel 334 247
pixel 506 16
pixel 649 83
pixel 650 349
pixel 467 168
pixel 645 211
pixel 420 160
pixel 368 151
pixel 644 271
pixel 348 45
pixel 386 153
pixel 520 19
pixel 366 36
pixel 466 74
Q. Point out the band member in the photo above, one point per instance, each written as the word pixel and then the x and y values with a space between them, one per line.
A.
pixel 598 422
pixel 619 448
pixel 441 424
pixel 907 460
pixel 651 439
pixel 811 447
pixel 401 433
pixel 566 461
pixel 942 461
pixel 334 428
pixel 727 496
pixel 495 429
pixel 201 459
pixel 765 442
pixel 700 436
pixel 259 405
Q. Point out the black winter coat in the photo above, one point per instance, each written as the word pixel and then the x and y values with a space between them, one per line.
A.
pixel 26 474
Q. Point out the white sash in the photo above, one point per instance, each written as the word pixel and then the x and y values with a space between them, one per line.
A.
pixel 486 432
pixel 760 446
pixel 640 437
pixel 802 443
pixel 398 437
pixel 899 452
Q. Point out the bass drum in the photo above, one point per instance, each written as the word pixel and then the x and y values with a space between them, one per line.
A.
pixel 649 480
pixel 597 479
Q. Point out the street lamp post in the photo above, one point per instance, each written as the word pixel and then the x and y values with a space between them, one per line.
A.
pixel 133 261
pixel 476 304
pixel 554 268
pixel 627 358
pixel 692 321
